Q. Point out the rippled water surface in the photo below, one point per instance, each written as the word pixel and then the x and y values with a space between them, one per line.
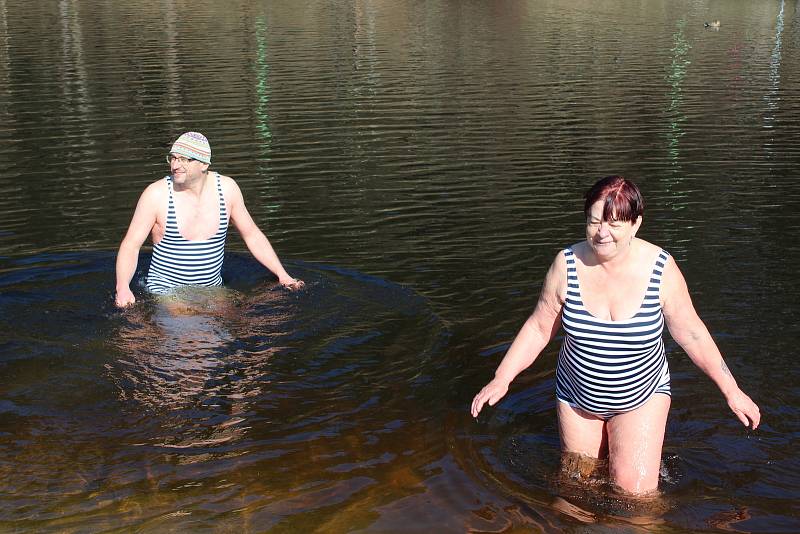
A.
pixel 418 164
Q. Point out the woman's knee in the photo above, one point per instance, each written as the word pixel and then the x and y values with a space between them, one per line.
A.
pixel 635 443
pixel 633 479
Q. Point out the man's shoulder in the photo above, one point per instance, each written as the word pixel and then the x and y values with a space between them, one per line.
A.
pixel 158 185
pixel 226 180
pixel 161 182
pixel 155 190
pixel 229 185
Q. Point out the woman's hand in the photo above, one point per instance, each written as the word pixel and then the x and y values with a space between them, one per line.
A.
pixel 491 393
pixel 745 409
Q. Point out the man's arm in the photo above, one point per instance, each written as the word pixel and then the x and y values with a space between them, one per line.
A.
pixel 257 243
pixel 144 218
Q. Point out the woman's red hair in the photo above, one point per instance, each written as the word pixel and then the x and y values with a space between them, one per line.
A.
pixel 622 199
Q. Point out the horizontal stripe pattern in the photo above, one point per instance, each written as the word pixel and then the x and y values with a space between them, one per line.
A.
pixel 610 367
pixel 177 261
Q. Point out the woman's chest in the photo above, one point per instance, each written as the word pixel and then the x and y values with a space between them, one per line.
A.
pixel 613 297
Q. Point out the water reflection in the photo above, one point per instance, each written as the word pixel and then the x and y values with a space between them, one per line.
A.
pixel 278 403
pixel 73 77
pixel 262 81
pixel 675 79
pixel 171 55
pixel 5 54
pixel 177 361
pixel 772 97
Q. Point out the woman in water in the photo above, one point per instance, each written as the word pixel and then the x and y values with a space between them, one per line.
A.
pixel 613 293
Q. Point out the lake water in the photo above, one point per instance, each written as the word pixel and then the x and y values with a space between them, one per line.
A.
pixel 418 164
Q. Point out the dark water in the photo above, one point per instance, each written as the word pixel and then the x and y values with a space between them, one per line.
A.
pixel 418 164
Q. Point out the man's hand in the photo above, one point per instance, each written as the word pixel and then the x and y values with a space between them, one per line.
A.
pixel 292 284
pixel 124 297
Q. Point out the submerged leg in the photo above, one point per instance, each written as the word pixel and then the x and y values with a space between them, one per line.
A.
pixel 635 440
pixel 584 444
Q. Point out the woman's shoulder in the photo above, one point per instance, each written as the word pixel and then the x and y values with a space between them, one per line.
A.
pixel 650 249
pixel 580 251
pixel 559 265
pixel 652 256
pixel 555 281
pixel 646 245
pixel 575 248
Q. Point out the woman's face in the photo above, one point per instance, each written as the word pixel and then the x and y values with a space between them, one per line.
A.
pixel 608 238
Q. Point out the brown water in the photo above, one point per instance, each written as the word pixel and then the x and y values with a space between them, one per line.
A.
pixel 418 164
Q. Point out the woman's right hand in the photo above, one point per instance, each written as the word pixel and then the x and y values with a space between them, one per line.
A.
pixel 491 393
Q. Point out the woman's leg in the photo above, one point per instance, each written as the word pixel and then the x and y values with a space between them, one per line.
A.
pixel 583 439
pixel 635 439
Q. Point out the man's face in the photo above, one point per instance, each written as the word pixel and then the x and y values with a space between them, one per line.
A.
pixel 185 169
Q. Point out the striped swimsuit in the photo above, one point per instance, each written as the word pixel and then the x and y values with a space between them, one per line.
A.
pixel 610 367
pixel 177 261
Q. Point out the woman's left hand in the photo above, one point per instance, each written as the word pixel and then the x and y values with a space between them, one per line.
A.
pixel 745 409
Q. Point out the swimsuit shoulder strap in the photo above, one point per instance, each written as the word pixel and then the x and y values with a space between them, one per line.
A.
pixel 169 190
pixel 172 218
pixel 573 288
pixel 223 209
pixel 218 181
pixel 658 268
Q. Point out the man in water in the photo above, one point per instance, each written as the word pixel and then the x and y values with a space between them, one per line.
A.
pixel 187 215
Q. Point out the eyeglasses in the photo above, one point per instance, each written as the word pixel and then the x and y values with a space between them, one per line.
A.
pixel 180 159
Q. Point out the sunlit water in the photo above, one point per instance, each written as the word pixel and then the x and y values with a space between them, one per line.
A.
pixel 418 165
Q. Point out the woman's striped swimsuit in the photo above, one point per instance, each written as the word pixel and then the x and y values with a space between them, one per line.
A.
pixel 610 367
pixel 177 261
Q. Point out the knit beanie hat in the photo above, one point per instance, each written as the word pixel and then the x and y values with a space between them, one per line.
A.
pixel 193 145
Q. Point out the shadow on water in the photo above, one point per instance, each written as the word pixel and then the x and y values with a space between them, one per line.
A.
pixel 247 403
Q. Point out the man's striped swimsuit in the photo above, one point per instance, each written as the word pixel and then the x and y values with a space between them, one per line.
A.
pixel 177 261
pixel 610 367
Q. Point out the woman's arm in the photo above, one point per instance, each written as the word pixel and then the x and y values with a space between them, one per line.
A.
pixel 532 338
pixel 692 335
